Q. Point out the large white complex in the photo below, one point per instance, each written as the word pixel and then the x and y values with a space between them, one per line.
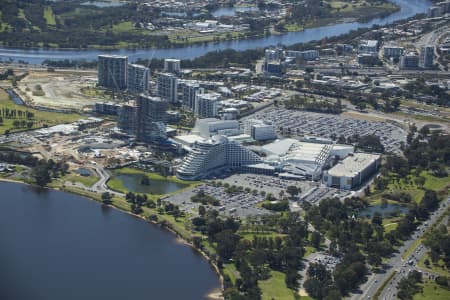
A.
pixel 212 156
pixel 297 158
pixel 352 171
pixel 259 130
pixel 137 78
pixel 207 104
pixel 168 87
pixel 112 71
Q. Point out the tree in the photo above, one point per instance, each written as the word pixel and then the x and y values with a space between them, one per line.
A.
pixel 293 190
pixel 145 180
pixel 201 210
pixel 106 198
pixel 41 174
pixel 316 238
pixel 227 241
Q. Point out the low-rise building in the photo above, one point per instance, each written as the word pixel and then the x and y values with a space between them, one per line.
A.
pixel 392 51
pixel 352 171
pixel 107 108
pixel 368 46
pixel 260 130
pixel 409 61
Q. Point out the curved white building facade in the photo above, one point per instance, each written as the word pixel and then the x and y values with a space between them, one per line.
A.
pixel 219 152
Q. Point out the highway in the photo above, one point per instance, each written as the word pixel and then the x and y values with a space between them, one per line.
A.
pixel 409 264
pixel 396 263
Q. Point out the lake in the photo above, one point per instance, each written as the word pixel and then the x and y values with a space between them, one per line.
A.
pixel 384 210
pixel 231 11
pixel 56 245
pixel 409 8
pixel 157 187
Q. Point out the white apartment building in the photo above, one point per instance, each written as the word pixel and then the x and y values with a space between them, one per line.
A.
pixel 207 105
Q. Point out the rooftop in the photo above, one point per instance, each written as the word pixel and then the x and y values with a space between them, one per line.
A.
pixel 352 165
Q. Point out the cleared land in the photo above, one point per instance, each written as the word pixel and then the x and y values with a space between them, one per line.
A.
pixel 59 90
pixel 40 117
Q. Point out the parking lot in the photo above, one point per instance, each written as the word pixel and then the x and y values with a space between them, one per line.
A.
pixel 268 184
pixel 22 139
pixel 302 123
pixel 239 204
pixel 321 191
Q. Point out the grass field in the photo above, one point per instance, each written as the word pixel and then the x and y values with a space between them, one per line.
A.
pixel 409 186
pixel 433 291
pixel 40 117
pixel 275 288
pixel 438 268
pixel 49 16
pixel 85 180
pixel 230 270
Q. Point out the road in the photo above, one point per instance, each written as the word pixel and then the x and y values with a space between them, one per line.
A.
pixel 432 38
pixel 100 186
pixel 404 267
pixel 396 263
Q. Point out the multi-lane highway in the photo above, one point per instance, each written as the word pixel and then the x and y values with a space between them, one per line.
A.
pixel 396 263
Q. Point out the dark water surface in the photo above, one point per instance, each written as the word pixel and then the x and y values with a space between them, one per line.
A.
pixel 55 245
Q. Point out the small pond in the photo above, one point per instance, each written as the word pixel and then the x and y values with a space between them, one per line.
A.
pixel 231 11
pixel 84 172
pixel 158 187
pixel 384 210
pixel 103 3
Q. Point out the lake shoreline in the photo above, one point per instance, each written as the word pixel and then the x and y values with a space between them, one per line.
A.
pixel 213 295
pixel 317 25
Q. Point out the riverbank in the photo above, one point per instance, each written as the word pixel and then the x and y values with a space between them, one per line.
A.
pixel 37 56
pixel 165 223
pixel 125 34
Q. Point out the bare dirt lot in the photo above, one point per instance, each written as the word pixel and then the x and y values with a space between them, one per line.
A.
pixel 59 90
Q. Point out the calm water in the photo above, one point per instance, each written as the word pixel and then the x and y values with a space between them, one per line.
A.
pixel 103 4
pixel 385 210
pixel 55 245
pixel 231 11
pixel 408 8
pixel 157 187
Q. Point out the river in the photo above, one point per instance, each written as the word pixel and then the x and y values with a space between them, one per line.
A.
pixel 55 245
pixel 408 8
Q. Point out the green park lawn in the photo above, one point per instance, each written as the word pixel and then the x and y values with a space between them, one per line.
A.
pixel 438 267
pixel 40 117
pixel 433 291
pixel 409 186
pixel 275 287
pixel 85 180
pixel 49 16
